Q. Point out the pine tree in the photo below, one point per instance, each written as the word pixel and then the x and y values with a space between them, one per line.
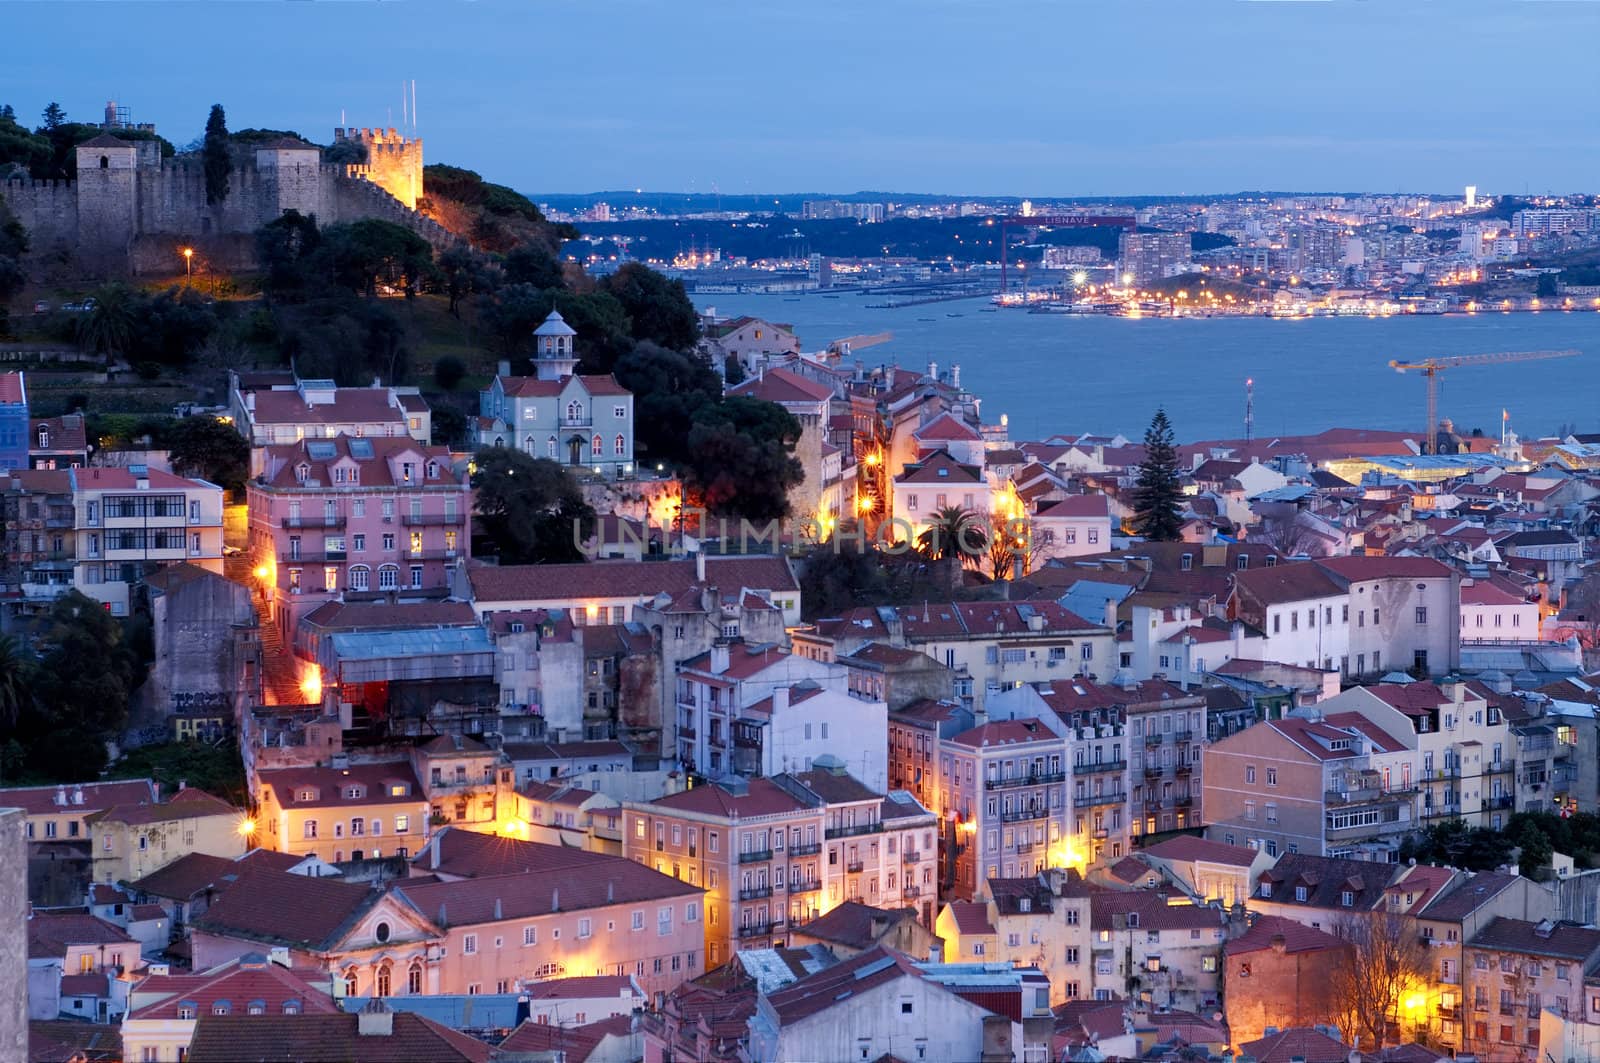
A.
pixel 54 116
pixel 218 159
pixel 1157 496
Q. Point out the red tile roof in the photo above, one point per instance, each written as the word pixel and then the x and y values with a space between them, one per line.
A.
pixel 279 908
pixel 1153 910
pixel 947 427
pixel 11 388
pixel 1300 1044
pixel 188 875
pixel 764 798
pixel 928 471
pixel 1294 582
pixel 622 579
pixel 1188 847
pixel 582 986
pixel 328 787
pixel 349 406
pixel 1356 569
pixel 1005 733
pixel 473 901
pixel 189 803
pixel 853 924
pixel 1564 940
pixel 971 917
pixel 239 983
pixel 41 800
pixel 470 854
pixel 1268 931
pixel 575 1043
pixel 1092 505
pixel 52 933
pixel 329 1039
pixel 780 386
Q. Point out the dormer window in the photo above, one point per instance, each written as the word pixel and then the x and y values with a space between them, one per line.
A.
pixel 407 471
pixel 186 1009
pixel 1347 899
pixel 1266 890
pixel 399 789
pixel 1133 919
pixel 256 1007
pixel 306 795
pixel 516 627
pixel 1186 562
pixel 221 1007
pixel 354 793
pixel 1300 893
pixel 291 1007
pixel 302 472
pixel 44 437
pixel 1272 560
pixel 433 470
pixel 1244 562
pixel 1024 904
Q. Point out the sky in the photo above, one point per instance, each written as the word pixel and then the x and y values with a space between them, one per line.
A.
pixel 973 97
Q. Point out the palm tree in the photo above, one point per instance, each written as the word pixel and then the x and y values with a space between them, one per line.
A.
pixel 951 532
pixel 108 327
pixel 14 680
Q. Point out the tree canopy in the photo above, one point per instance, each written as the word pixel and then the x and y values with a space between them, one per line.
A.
pixel 1157 494
pixel 741 459
pixel 529 510
pixel 659 309
pixel 208 448
pixel 217 157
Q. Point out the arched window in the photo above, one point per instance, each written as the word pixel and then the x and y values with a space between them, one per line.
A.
pixel 381 984
pixel 499 441
pixel 622 446
pixel 105 163
pixel 388 577
pixel 433 470
pixel 597 447
pixel 530 446
pixel 574 411
pixel 414 978
pixel 350 982
pixel 360 577
pixel 550 448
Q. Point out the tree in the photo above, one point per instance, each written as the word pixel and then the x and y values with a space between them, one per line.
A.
pixel 360 255
pixel 449 371
pixel 670 389
pixel 733 371
pixel 532 264
pixel 530 510
pixel 660 309
pixel 208 448
pixel 1291 534
pixel 16 666
pixel 13 244
pixel 741 459
pixel 1385 961
pixel 81 686
pixel 109 326
pixel 449 426
pixel 286 248
pixel 1157 495
pixel 54 116
pixel 463 272
pixel 217 156
pixel 954 532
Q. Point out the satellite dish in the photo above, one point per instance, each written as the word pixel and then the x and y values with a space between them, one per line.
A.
pixel 1216 1016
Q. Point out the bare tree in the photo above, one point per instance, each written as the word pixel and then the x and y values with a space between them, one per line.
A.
pixel 1580 613
pixel 1290 536
pixel 1386 960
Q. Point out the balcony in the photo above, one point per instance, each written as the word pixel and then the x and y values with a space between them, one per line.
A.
pixel 755 893
pixel 312 522
pixel 430 555
pixel 1152 771
pixel 851 832
pixel 685 731
pixel 430 520
pixel 910 856
pixel 854 867
pixel 576 422
pixel 1185 802
pixel 1100 833
pixel 804 887
pixel 1183 736
pixel 797 851
pixel 313 557
pixel 1102 799
pixel 1185 768
pixel 759 930
pixel 1026 847
pixel 1043 779
pixel 911 891
pixel 1023 814
pixel 1502 802
pixel 1449 1012
pixel 756 856
pixel 1152 740
pixel 1098 766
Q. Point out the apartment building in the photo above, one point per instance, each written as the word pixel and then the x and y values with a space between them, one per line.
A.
pixel 349 517
pixel 988 646
pixel 935 482
pixel 61 813
pixel 1464 746
pixel 774 853
pixel 128 842
pixel 1038 921
pixel 1071 526
pixel 1170 955
pixel 133 520
pixel 278 407
pixel 363 810
pixel 1003 788
pixel 1515 971
pixel 1336 786
pixel 915 733
pixel 465 782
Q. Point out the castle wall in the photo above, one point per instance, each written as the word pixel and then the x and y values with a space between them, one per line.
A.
pixel 47 209
pixel 107 215
pixel 393 162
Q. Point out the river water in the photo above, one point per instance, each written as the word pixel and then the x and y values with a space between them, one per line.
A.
pixel 1057 374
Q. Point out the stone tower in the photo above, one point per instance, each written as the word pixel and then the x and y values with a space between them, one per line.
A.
pixel 108 193
pixel 553 357
pixel 291 179
pixel 393 162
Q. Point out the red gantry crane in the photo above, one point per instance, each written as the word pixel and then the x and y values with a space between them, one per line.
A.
pixel 1432 367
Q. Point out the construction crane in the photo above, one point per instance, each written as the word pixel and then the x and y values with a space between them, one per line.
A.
pixel 1432 367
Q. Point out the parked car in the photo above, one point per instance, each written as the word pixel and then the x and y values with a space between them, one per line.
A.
pixel 41 307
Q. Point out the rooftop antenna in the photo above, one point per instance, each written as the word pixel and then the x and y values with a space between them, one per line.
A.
pixel 413 105
pixel 405 112
pixel 1249 409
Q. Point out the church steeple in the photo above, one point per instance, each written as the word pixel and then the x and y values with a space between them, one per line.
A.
pixel 553 357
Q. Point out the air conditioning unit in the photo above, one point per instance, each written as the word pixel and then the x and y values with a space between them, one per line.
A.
pixel 388 520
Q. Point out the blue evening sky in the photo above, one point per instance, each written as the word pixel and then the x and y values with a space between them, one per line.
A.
pixel 959 96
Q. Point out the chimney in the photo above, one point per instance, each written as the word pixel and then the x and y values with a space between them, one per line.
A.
pixel 1280 944
pixel 183 784
pixel 719 659
pixel 955 375
pixel 933 370
pixel 699 566
pixel 498 913
pixel 780 699
pixel 77 795
pixel 375 1019
pixel 502 368
pixel 555 900
pixel 611 890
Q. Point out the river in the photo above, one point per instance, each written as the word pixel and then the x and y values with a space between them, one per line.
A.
pixel 1057 374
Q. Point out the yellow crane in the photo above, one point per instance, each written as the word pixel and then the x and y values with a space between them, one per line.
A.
pixel 1432 367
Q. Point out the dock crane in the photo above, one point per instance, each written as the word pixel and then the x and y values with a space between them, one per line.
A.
pixel 1432 367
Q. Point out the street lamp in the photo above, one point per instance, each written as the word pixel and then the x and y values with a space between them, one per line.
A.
pixel 188 261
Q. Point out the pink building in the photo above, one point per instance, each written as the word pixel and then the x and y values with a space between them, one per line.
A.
pixel 352 518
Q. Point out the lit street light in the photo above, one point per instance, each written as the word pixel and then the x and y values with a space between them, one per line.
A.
pixel 188 261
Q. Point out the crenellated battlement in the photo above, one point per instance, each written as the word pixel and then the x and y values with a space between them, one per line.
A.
pixel 393 161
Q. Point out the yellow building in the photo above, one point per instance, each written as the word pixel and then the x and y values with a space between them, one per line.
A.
pixel 968 933
pixel 365 810
pixel 60 813
pixel 128 842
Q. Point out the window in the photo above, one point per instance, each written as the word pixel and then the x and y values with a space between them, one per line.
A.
pixel 1250 774
pixel 1422 614
pixel 621 446
pixel 530 935
pixel 1272 776
pixel 309 828
pixel 1300 893
pixel 469 944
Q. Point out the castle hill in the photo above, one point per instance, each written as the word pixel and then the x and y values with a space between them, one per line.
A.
pixel 624 533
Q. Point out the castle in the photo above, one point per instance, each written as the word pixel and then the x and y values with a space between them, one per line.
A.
pixel 130 210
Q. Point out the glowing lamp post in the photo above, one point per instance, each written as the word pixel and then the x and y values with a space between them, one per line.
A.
pixel 188 262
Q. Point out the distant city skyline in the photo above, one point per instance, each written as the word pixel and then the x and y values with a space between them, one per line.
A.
pixel 945 97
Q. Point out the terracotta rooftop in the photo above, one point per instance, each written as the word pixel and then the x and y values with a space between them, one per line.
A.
pixel 763 798
pixel 1563 940
pixel 43 800
pixel 971 917
pixel 462 853
pixel 1187 847
pixel 855 925
pixel 1269 931
pixel 575 1044
pixel 239 984
pixel 187 876
pixel 780 386
pixel 818 992
pixel 52 933
pixel 1005 733
pixel 1298 1045
pixel 473 901
pixel 371 784
pixel 190 803
pixel 278 908
pixel 1153 911
pixel 329 1039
